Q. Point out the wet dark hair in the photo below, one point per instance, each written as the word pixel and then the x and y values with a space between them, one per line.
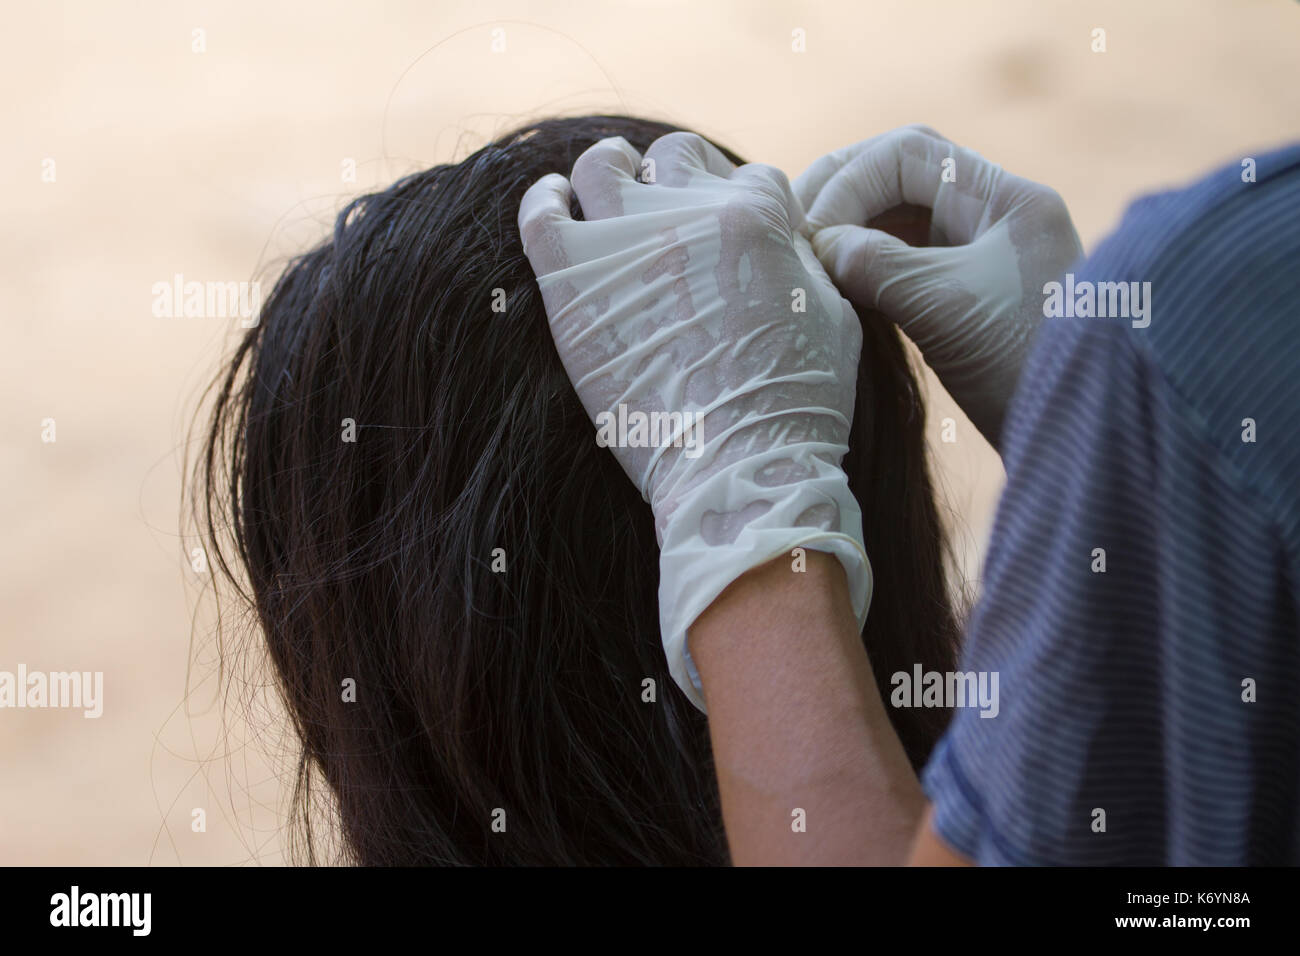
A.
pixel 475 689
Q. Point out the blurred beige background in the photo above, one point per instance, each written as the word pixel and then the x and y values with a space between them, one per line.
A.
pixel 218 164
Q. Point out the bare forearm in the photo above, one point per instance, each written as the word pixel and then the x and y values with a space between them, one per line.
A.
pixel 798 725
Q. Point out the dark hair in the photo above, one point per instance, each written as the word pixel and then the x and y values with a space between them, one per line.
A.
pixel 373 559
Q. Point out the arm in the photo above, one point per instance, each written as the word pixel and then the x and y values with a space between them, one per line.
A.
pixel 827 747
pixel 930 850
pixel 697 295
pixel 1132 504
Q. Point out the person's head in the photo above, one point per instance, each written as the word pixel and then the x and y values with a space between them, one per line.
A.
pixel 401 474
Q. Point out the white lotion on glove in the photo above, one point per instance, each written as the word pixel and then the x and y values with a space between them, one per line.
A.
pixel 697 294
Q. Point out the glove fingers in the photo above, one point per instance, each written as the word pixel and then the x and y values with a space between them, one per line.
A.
pixel 674 158
pixel 602 175
pixel 772 182
pixel 543 216
pixel 809 183
pixel 910 166
pixel 860 261
pixel 824 288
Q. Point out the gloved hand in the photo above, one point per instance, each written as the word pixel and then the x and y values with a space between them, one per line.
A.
pixel 973 300
pixel 695 295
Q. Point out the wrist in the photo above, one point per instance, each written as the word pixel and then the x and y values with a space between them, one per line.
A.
pixel 774 595
pixel 704 552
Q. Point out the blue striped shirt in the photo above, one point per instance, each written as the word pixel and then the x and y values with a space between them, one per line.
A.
pixel 1143 577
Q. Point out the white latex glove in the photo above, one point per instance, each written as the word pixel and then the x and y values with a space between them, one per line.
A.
pixel 681 295
pixel 973 300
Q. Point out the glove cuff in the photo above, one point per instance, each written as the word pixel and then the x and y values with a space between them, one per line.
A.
pixel 692 572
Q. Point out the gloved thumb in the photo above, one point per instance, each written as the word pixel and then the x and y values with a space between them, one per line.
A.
pixel 861 261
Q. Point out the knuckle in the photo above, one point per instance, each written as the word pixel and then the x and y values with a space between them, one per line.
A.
pixel 600 155
pixel 912 138
pixel 771 176
pixel 751 216
pixel 759 209
pixel 679 141
pixel 533 229
pixel 1050 204
pixel 674 154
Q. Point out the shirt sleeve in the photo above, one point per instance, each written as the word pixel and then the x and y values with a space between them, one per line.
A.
pixel 1138 622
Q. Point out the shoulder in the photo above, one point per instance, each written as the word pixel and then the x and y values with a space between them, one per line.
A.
pixel 1211 277
pixel 1260 187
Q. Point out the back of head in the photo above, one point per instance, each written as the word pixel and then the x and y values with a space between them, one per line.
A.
pixel 474 561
